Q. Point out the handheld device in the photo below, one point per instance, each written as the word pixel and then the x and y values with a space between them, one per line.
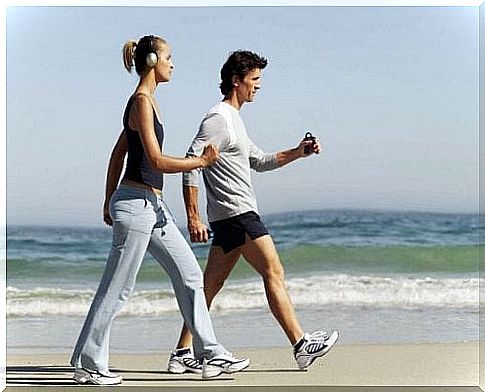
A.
pixel 309 136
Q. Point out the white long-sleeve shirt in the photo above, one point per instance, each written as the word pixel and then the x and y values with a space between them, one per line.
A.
pixel 228 182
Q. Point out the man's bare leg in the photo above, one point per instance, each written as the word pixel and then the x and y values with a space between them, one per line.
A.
pixel 262 255
pixel 219 266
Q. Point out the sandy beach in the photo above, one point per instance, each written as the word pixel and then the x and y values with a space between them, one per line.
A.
pixel 402 296
pixel 433 364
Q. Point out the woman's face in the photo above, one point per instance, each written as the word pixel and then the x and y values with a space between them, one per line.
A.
pixel 164 66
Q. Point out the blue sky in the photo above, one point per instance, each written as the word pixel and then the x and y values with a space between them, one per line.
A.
pixel 391 91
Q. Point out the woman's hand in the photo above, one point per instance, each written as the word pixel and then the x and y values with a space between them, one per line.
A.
pixel 106 216
pixel 210 155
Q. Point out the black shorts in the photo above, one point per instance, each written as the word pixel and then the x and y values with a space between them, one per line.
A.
pixel 230 233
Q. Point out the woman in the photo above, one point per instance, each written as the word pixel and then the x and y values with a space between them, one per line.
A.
pixel 141 221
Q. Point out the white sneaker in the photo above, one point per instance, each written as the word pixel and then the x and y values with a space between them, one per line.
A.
pixel 224 363
pixel 84 376
pixel 183 360
pixel 314 345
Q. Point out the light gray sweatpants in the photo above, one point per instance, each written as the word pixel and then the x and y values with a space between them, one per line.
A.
pixel 142 221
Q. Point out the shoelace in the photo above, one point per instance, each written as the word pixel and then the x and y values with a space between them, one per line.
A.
pixel 319 335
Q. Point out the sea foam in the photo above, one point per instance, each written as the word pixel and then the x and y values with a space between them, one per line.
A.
pixel 240 295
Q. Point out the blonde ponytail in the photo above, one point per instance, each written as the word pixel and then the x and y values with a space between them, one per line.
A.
pixel 129 54
pixel 135 53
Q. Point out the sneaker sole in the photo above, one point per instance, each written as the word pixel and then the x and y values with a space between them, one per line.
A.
pixel 227 371
pixel 90 381
pixel 80 380
pixel 87 380
pixel 325 351
pixel 211 375
pixel 240 369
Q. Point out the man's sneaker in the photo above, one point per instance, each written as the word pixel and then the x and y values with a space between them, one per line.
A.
pixel 313 346
pixel 183 360
pixel 84 376
pixel 224 363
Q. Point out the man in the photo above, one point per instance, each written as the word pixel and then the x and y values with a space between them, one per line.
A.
pixel 233 214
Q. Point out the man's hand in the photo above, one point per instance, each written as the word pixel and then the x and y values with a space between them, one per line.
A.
pixel 313 145
pixel 285 157
pixel 198 231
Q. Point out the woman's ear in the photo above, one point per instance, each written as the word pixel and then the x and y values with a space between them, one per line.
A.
pixel 235 81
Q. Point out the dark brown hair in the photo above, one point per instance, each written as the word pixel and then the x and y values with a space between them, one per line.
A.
pixel 239 64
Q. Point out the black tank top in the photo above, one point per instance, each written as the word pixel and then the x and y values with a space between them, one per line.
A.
pixel 138 167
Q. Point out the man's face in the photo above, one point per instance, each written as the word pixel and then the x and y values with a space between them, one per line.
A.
pixel 247 88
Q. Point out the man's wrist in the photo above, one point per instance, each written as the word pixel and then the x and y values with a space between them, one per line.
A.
pixel 193 220
pixel 296 152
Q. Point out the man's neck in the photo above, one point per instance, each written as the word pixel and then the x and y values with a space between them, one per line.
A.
pixel 233 100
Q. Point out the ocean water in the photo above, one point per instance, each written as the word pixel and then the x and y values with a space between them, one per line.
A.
pixel 376 276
